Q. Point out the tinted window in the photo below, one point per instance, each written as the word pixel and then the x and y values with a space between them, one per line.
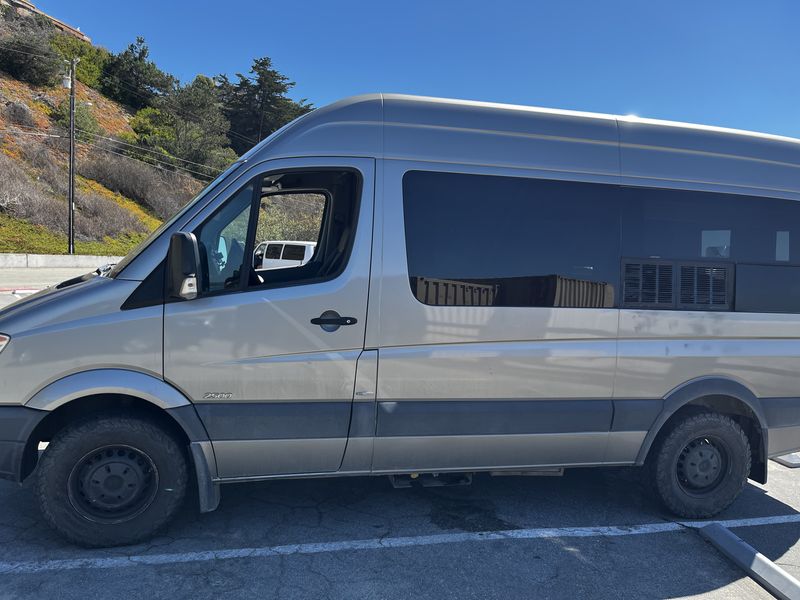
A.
pixel 273 251
pixel 709 251
pixel 502 241
pixel 294 252
pixel 702 225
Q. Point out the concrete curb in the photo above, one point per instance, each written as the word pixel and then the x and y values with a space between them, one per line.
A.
pixel 761 569
pixel 789 460
pixel 66 261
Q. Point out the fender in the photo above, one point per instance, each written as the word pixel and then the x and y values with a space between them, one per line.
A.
pixel 153 390
pixel 699 388
pixel 107 381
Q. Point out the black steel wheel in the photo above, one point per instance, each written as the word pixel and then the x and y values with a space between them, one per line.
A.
pixel 700 465
pixel 111 480
pixel 113 484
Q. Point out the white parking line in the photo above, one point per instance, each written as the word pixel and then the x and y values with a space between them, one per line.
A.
pixel 118 562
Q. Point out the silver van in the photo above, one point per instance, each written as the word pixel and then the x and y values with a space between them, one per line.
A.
pixel 494 288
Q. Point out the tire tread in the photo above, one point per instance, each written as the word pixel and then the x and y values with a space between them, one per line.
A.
pixel 52 462
pixel 661 466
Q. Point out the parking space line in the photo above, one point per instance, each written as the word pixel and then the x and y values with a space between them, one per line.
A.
pixel 118 562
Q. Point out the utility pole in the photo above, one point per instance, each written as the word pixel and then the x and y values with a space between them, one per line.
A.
pixel 71 193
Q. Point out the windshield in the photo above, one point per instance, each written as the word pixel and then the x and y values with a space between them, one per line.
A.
pixel 166 224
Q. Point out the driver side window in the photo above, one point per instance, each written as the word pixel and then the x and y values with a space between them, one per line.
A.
pixel 280 229
pixel 221 241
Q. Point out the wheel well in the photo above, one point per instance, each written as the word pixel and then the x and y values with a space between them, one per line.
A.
pixel 736 409
pixel 81 408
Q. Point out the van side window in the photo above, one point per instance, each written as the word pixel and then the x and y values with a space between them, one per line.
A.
pixel 293 218
pixel 221 240
pixel 284 229
pixel 680 224
pixel 504 241
pixel 692 250
pixel 308 222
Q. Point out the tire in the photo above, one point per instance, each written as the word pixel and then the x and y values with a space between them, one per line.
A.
pixel 701 465
pixel 111 481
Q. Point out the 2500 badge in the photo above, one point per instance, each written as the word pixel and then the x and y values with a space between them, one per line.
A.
pixel 217 396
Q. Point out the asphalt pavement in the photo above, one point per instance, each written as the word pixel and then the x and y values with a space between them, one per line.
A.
pixel 591 534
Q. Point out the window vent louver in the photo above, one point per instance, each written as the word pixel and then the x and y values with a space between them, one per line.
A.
pixel 648 284
pixel 705 287
pixel 682 285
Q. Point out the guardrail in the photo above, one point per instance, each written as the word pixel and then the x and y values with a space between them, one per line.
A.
pixel 65 261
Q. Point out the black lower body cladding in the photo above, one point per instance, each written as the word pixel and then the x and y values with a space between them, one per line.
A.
pixel 16 425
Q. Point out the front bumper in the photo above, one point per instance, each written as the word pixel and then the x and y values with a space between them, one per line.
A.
pixel 16 425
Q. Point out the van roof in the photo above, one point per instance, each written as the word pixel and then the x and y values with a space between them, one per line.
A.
pixel 558 143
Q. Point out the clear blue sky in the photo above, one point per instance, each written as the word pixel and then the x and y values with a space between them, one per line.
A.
pixel 722 62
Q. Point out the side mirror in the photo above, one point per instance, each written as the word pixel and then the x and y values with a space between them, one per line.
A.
pixel 183 267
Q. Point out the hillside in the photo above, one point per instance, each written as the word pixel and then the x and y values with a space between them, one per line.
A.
pixel 33 180
pixel 147 142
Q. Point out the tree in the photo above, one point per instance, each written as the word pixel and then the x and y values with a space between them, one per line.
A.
pixel 257 104
pixel 201 127
pixel 26 55
pixel 93 59
pixel 131 78
pixel 187 124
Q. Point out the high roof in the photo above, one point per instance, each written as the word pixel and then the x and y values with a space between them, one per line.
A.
pixel 565 143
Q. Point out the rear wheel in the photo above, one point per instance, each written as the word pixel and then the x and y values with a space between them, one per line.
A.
pixel 111 481
pixel 701 465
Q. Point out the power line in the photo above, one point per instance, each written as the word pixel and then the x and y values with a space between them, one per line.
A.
pixel 174 168
pixel 104 149
pixel 166 158
pixel 163 162
pixel 160 162
pixel 143 149
pixel 27 126
pixel 28 53
pixel 184 113
pixel 52 135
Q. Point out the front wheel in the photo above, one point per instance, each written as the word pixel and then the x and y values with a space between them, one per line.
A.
pixel 701 465
pixel 111 481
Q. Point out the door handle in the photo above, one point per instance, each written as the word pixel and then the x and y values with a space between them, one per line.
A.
pixel 330 320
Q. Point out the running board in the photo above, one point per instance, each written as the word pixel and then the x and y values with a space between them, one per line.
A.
pixel 430 480
pixel 551 472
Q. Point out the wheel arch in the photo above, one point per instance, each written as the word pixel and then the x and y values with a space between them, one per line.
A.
pixel 119 391
pixel 722 395
pixel 96 382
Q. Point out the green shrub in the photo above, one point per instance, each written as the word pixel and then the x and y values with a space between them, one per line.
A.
pixel 27 55
pixel 93 59
pixel 85 124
